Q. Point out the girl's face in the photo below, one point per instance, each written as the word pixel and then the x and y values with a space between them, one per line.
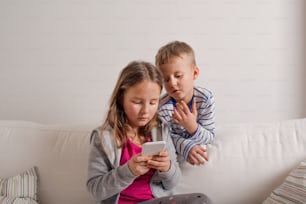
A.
pixel 140 103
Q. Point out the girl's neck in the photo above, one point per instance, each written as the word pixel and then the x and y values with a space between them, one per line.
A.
pixel 135 136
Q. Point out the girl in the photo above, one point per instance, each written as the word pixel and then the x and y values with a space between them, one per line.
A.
pixel 117 172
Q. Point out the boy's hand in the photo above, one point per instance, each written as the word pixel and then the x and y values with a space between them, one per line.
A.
pixel 184 117
pixel 138 164
pixel 160 162
pixel 197 155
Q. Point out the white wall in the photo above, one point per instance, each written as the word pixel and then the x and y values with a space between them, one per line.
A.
pixel 59 59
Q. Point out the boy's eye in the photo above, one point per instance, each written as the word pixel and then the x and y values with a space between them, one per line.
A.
pixel 178 76
pixel 166 79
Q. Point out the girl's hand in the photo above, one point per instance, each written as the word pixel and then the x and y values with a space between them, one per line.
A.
pixel 160 162
pixel 197 155
pixel 138 164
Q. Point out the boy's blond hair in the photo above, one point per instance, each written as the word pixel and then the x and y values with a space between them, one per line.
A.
pixel 173 49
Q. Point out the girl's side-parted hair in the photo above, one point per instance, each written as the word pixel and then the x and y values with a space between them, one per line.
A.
pixel 173 49
pixel 135 72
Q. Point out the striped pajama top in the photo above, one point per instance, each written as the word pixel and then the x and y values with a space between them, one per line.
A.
pixel 204 134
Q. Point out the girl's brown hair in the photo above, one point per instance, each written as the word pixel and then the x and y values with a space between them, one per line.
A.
pixel 134 73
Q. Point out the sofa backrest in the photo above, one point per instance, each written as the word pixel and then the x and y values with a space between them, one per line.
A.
pixel 246 161
pixel 59 153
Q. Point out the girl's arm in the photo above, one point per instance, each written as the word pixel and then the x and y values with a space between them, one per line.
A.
pixel 104 178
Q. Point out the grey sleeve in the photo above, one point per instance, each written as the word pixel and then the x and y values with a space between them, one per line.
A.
pixel 104 178
pixel 170 178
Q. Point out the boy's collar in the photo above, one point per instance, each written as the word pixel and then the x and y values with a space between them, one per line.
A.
pixel 189 104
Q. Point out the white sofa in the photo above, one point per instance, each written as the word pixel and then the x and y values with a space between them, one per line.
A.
pixel 246 161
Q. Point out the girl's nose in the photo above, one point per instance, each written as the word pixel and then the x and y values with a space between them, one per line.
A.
pixel 144 108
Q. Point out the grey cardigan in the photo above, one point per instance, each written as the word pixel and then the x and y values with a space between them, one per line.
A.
pixel 106 178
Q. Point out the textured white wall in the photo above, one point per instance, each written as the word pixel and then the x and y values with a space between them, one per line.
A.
pixel 59 59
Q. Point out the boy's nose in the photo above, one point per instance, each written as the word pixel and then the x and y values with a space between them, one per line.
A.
pixel 172 82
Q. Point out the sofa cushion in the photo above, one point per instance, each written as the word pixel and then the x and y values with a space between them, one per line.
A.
pixel 247 161
pixel 293 189
pixel 12 200
pixel 21 188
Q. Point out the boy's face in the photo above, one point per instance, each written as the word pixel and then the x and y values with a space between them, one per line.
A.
pixel 179 73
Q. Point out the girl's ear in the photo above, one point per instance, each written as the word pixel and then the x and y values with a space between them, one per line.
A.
pixel 196 72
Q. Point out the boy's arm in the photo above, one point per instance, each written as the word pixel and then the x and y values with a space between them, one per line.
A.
pixel 199 122
pixel 183 145
pixel 204 133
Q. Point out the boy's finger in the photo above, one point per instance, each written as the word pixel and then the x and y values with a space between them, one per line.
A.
pixel 194 160
pixel 177 114
pixel 200 159
pixel 203 154
pixel 184 107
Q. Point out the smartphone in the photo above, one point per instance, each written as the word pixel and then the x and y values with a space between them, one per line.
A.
pixel 153 148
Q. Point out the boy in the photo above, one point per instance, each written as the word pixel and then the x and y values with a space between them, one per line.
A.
pixel 189 110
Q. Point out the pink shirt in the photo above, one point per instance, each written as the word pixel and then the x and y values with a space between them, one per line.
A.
pixel 140 189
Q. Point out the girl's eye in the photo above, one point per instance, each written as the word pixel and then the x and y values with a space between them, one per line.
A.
pixel 178 76
pixel 137 102
pixel 166 79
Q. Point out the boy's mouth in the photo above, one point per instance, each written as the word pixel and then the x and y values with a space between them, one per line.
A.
pixel 175 91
